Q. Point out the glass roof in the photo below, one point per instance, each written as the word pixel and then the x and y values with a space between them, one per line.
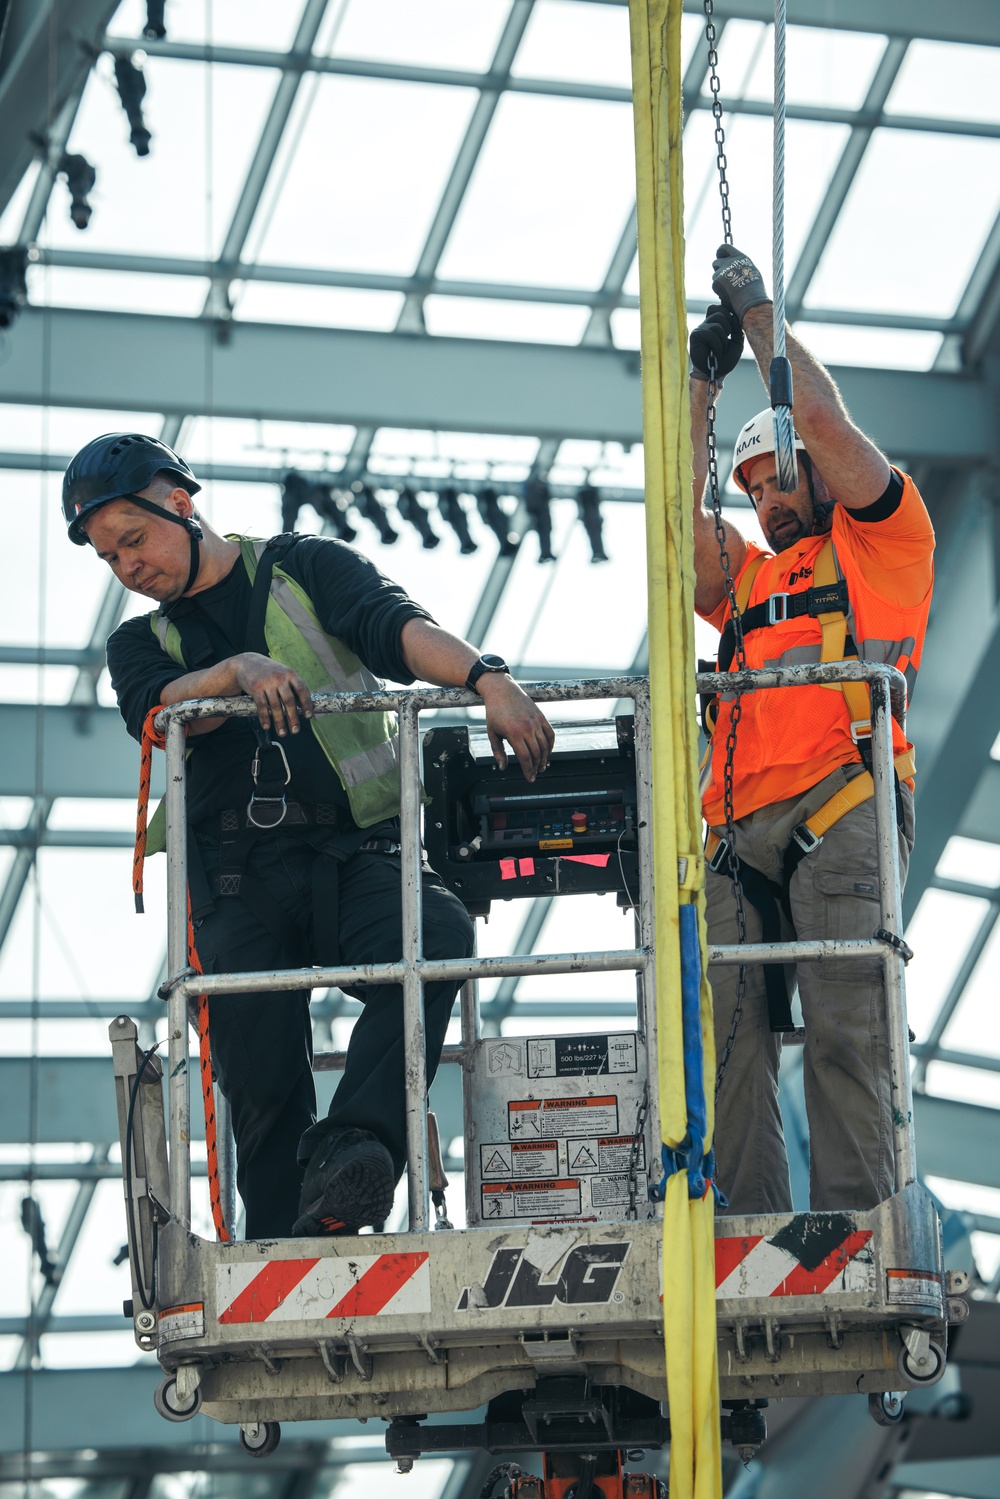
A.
pixel 449 171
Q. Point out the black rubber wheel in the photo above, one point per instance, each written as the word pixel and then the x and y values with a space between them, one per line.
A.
pixel 260 1438
pixel 934 1370
pixel 886 1409
pixel 169 1404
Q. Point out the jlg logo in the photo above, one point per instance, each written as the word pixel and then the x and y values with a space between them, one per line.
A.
pixel 589 1275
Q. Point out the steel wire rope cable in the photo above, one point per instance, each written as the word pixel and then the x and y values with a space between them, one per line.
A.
pixel 780 374
pixel 684 1044
pixel 206 1070
pixel 31 1336
pixel 715 496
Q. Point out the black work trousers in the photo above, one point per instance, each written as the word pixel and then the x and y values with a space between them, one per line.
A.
pixel 262 1043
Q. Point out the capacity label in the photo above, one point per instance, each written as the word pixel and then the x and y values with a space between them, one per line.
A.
pixel 604 1153
pixel 581 1056
pixel 523 1158
pixel 545 1118
pixel 554 1199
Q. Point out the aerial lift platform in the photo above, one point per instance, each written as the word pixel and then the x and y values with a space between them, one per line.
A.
pixel 548 1306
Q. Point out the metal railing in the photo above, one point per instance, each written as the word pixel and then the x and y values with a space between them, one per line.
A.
pixel 413 970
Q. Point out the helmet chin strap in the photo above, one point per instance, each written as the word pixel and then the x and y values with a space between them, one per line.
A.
pixel 821 512
pixel 190 525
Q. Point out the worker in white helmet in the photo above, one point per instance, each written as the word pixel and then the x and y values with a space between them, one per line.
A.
pixel 853 543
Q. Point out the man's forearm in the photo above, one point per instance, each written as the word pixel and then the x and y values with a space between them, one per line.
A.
pixel 434 656
pixel 815 393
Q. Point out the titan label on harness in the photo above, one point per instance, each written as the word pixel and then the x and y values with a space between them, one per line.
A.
pixel 521 1158
pixel 541 1117
pixel 589 1277
pixel 581 1056
pixel 531 1199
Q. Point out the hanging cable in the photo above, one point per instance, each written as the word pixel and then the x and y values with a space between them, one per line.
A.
pixel 780 374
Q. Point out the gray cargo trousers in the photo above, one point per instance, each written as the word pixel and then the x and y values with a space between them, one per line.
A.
pixel 833 893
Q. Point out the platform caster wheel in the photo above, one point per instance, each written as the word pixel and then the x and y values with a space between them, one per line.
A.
pixel 170 1405
pixel 928 1370
pixel 886 1409
pixel 260 1438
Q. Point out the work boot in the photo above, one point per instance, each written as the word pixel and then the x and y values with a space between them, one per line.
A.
pixel 349 1184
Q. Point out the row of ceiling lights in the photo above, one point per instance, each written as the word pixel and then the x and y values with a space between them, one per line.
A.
pixel 337 507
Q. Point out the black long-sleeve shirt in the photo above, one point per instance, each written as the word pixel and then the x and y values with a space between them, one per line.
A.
pixel 353 600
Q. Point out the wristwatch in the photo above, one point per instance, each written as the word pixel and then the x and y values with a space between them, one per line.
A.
pixel 483 665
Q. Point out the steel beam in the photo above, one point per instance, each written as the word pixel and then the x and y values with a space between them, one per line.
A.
pixel 82 753
pixel 408 380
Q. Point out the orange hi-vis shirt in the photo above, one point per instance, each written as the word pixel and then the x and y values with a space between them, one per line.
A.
pixel 789 738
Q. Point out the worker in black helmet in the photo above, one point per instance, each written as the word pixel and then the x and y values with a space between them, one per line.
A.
pixel 294 857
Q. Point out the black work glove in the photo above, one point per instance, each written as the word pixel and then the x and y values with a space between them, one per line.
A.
pixel 720 334
pixel 736 281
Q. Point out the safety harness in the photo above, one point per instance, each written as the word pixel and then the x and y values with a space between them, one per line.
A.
pixel 828 602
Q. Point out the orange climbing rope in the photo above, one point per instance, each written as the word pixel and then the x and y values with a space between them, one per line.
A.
pixel 151 737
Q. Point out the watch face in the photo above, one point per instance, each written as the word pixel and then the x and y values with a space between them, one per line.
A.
pixel 494 663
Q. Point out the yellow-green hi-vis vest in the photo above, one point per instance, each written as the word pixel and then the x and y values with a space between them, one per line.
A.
pixel 363 748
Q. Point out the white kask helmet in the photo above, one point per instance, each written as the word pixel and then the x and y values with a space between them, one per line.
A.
pixel 755 438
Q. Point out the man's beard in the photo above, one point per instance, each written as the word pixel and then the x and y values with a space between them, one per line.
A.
pixel 785 530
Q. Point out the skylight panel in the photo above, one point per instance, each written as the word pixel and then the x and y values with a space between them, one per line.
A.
pixel 879 348
pixel 971 1084
pixel 948 80
pixel 583 43
pixel 550 195
pixel 316 306
pixel 362 188
pixel 482 317
pixel 53 593
pixel 822 66
pixel 940 931
pixel 947 227
pixel 73 951
pixel 468 455
pixel 585 923
pixel 626 328
pixel 179 200
pixel 115 291
pixel 571 627
pixel 812 150
pixel 63 429
pixel 264 443
pixel 971 860
pixel 233 23
pixel 435 33
pixel 973 1026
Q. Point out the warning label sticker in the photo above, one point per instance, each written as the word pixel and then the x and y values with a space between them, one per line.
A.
pixel 182 1321
pixel 543 1118
pixel 913 1285
pixel 605 1153
pixel 581 1056
pixel 605 1190
pixel 523 1158
pixel 519 1199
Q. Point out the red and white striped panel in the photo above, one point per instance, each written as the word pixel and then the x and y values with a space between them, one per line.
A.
pixel 756 1266
pixel 363 1285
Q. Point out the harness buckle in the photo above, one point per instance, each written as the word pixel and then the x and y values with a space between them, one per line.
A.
pixel 861 728
pixel 806 838
pixel 718 860
pixel 263 801
pixel 777 608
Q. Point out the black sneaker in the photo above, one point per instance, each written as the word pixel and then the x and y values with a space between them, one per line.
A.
pixel 349 1183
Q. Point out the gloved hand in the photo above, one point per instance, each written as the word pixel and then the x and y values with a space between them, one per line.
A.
pixel 720 334
pixel 736 281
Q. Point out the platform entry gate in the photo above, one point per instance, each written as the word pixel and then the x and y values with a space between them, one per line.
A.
pixel 547 1307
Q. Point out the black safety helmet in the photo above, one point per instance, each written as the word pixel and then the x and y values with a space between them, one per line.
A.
pixel 115 467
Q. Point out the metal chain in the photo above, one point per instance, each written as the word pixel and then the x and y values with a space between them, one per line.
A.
pixel 711 36
pixel 736 713
pixel 638 1138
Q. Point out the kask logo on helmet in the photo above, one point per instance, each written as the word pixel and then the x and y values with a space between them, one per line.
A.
pixel 747 442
